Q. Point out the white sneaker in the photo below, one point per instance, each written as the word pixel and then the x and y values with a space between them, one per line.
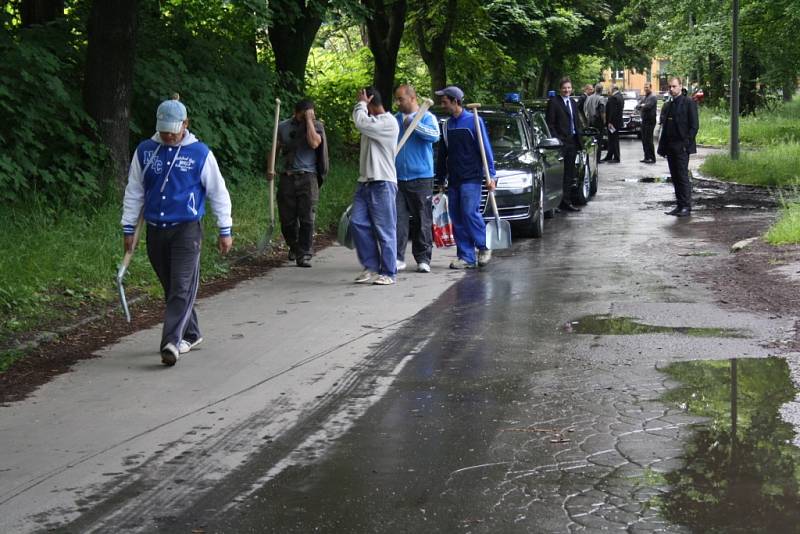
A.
pixel 484 256
pixel 365 277
pixel 383 280
pixel 423 268
pixel 461 264
pixel 401 265
pixel 185 346
pixel 169 354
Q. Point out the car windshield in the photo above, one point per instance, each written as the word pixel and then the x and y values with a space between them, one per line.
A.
pixel 505 133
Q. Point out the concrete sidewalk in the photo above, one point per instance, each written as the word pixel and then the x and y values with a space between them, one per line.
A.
pixel 273 346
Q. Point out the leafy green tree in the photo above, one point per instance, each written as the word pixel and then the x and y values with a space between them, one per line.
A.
pixel 292 29
pixel 385 22
pixel 108 87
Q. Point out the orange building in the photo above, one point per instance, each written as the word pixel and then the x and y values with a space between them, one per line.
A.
pixel 632 80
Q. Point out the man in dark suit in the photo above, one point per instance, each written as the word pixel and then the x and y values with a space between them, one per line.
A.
pixel 647 109
pixel 679 125
pixel 562 119
pixel 614 119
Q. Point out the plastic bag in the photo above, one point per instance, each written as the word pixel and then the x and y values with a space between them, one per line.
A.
pixel 343 234
pixel 442 225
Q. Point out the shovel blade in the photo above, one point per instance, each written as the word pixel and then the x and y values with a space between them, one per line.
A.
pixel 266 242
pixel 122 300
pixel 498 234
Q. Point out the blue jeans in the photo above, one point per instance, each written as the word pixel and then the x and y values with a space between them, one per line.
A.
pixel 464 201
pixel 373 223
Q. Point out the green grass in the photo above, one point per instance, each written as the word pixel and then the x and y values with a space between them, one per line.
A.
pixel 766 128
pixel 58 269
pixel 786 231
pixel 775 165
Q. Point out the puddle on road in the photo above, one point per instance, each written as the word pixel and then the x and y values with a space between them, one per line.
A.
pixel 741 472
pixel 608 325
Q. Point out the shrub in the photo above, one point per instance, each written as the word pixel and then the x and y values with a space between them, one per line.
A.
pixel 51 153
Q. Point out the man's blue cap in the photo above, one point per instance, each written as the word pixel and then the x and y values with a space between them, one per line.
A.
pixel 170 116
pixel 452 91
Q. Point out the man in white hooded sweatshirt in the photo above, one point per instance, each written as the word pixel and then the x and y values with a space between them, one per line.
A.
pixel 373 221
pixel 171 175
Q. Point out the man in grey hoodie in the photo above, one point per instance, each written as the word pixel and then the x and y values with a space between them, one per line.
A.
pixel 373 221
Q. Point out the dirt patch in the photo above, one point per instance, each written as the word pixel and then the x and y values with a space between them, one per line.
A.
pixel 750 279
pixel 52 358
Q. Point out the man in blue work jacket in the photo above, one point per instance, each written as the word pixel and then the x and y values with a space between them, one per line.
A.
pixel 459 162
pixel 414 164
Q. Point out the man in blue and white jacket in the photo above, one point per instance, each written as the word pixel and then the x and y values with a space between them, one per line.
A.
pixel 460 163
pixel 414 165
pixel 171 175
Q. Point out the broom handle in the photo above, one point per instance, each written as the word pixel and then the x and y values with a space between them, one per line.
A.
pixel 272 154
pixel 479 133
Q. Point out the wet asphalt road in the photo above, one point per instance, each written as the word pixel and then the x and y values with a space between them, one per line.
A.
pixel 505 419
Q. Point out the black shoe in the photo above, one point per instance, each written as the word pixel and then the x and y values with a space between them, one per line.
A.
pixel 684 212
pixel 674 211
pixel 613 161
pixel 292 256
pixel 650 161
pixel 566 206
pixel 646 161
pixel 304 261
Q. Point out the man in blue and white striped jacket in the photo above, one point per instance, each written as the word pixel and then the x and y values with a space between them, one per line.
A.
pixel 414 164
pixel 171 175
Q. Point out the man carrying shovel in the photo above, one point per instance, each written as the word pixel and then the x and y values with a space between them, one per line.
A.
pixel 305 155
pixel 460 162
pixel 171 175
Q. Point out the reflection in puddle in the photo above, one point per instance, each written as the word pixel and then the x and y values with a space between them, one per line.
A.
pixel 621 326
pixel 741 470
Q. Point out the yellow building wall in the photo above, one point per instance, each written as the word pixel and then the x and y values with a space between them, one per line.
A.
pixel 631 80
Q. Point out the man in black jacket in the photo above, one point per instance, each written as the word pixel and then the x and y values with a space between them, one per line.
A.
pixel 562 119
pixel 679 125
pixel 647 109
pixel 614 119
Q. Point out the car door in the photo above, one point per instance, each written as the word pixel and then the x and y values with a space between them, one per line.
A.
pixel 552 159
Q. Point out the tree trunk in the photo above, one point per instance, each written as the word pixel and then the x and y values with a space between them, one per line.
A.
pixel 434 54
pixel 34 12
pixel 789 89
pixel 384 30
pixel 109 76
pixel 294 28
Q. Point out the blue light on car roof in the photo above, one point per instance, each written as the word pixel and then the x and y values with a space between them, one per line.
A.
pixel 512 98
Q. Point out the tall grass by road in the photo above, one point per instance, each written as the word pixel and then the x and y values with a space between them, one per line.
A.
pixel 781 125
pixel 774 166
pixel 53 268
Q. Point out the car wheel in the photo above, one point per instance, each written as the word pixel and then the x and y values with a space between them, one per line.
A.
pixel 534 226
pixel 583 193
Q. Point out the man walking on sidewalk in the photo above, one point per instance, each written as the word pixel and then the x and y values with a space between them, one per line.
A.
pixel 414 164
pixel 305 153
pixel 679 126
pixel 170 177
pixel 373 221
pixel 459 161
pixel 647 109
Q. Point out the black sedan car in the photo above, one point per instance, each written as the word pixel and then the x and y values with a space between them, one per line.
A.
pixel 631 118
pixel 586 158
pixel 528 166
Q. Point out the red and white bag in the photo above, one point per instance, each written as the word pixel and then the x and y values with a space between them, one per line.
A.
pixel 442 225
